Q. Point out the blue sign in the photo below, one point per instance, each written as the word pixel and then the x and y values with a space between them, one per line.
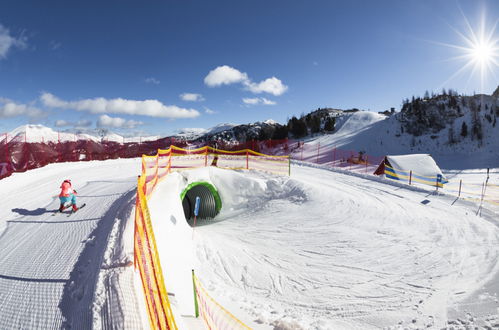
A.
pixel 196 208
pixel 439 178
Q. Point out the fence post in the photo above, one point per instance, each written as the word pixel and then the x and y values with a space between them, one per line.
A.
pixel 25 150
pixel 196 307
pixel 438 180
pixel 289 165
pixel 206 157
pixel 460 183
pixel 7 156
pixel 318 151
pixel 334 156
pixel 302 146
pixel 410 177
pixel 247 159
pixel 367 162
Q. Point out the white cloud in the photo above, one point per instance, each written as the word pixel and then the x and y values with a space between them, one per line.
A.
pixel 50 100
pixel 272 86
pixel 258 100
pixel 83 123
pixel 62 123
pixel 254 100
pixel 268 102
pixel 226 75
pixel 192 97
pixel 209 111
pixel 8 42
pixel 107 121
pixel 100 105
pixel 9 109
pixel 152 80
pixel 79 123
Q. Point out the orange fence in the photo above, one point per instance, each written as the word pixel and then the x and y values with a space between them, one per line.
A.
pixel 214 314
pixel 154 169
pixel 147 261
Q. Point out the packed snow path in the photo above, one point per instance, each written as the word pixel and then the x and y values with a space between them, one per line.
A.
pixel 64 271
pixel 325 250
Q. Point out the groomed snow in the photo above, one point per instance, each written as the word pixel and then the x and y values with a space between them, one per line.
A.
pixel 317 250
pixel 324 250
pixel 69 272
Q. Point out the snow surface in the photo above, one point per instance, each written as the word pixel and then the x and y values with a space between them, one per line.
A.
pixel 69 271
pixel 325 250
pixel 194 133
pixel 378 135
pixel 422 164
pixel 321 249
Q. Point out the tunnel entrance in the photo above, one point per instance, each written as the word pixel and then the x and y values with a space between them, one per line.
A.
pixel 210 202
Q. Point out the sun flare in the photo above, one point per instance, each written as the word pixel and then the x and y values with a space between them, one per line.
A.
pixel 483 52
pixel 479 50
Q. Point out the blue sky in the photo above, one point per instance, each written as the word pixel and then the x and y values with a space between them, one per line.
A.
pixel 154 67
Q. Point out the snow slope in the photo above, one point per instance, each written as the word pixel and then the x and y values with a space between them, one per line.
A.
pixel 317 250
pixel 325 250
pixel 59 271
pixel 379 135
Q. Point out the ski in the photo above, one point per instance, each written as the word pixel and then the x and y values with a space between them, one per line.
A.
pixel 57 211
pixel 82 206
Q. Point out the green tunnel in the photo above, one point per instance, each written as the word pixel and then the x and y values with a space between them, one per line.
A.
pixel 210 204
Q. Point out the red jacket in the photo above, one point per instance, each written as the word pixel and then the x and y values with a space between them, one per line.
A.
pixel 66 189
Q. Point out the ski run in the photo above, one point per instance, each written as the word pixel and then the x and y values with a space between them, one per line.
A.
pixel 320 249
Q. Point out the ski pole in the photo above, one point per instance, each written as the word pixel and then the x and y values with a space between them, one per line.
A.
pixel 196 209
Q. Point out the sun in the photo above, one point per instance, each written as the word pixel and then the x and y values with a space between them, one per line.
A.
pixel 483 53
pixel 479 51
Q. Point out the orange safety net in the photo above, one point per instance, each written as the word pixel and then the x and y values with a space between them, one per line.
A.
pixel 147 261
pixel 214 314
pixel 154 169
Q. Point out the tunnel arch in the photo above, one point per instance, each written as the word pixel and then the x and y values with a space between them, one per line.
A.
pixel 210 206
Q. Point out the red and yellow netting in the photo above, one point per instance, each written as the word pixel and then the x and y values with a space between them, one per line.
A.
pixel 214 314
pixel 154 169
pixel 147 261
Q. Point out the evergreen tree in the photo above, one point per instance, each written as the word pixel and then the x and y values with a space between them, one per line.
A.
pixel 280 132
pixel 452 139
pixel 315 124
pixel 329 124
pixel 297 127
pixel 464 129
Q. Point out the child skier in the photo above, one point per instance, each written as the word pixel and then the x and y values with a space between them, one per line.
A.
pixel 68 194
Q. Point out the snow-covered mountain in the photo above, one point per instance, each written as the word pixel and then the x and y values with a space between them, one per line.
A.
pixel 453 128
pixel 195 133
pixel 448 126
pixel 39 133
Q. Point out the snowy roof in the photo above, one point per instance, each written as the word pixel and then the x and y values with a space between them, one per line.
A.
pixel 422 164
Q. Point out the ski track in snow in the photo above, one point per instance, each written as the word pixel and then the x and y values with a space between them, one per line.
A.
pixel 319 250
pixel 53 268
pixel 323 250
